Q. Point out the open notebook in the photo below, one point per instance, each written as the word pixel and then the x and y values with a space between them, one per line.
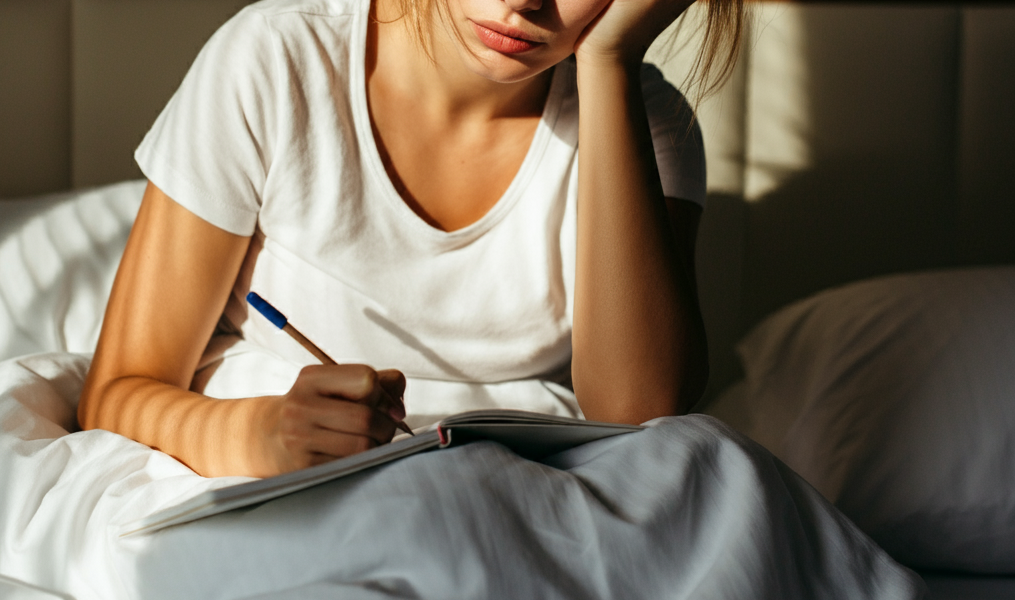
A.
pixel 531 435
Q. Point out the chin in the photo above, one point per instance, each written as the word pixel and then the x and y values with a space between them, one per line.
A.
pixel 502 68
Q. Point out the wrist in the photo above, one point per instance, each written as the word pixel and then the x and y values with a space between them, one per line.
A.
pixel 241 438
pixel 259 440
pixel 601 78
pixel 609 62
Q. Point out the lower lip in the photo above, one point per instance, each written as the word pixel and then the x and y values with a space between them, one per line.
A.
pixel 502 43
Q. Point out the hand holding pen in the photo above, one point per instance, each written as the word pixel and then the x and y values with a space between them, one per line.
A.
pixel 390 381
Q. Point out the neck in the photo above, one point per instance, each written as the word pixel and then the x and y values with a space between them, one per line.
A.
pixel 444 86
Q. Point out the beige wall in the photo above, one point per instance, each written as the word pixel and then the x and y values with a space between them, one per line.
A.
pixel 35 76
pixel 82 80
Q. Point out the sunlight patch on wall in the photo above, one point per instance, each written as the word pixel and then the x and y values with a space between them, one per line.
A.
pixel 779 123
pixel 720 116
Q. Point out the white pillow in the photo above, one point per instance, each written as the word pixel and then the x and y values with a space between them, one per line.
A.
pixel 895 398
pixel 58 257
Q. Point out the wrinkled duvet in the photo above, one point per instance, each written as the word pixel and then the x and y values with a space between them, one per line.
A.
pixel 684 509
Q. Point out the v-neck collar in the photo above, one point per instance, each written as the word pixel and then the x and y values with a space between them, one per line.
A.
pixel 371 157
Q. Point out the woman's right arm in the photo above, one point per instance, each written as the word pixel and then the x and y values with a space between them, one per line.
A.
pixel 172 285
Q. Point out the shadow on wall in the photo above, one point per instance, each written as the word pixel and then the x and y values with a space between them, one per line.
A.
pixel 904 118
pixel 868 151
pixel 879 192
pixel 843 221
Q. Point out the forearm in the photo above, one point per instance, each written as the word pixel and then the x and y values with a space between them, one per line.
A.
pixel 213 437
pixel 637 338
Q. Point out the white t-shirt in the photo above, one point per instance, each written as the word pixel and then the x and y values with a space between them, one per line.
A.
pixel 269 135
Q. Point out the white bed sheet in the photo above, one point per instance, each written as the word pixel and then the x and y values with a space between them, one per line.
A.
pixel 686 509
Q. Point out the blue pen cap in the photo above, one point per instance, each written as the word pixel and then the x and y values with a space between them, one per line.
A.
pixel 277 319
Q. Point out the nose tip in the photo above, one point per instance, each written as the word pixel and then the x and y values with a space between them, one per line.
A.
pixel 524 5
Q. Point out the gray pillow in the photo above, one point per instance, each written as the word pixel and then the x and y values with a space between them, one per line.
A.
pixel 895 398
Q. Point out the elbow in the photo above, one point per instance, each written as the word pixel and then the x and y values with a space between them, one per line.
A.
pixel 684 386
pixel 664 392
pixel 90 400
pixel 639 391
pixel 86 404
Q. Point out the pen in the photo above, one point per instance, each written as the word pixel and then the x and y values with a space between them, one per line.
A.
pixel 278 320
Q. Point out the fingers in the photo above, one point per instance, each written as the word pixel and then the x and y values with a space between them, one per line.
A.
pixel 326 415
pixel 382 390
pixel 338 410
pixel 393 382
pixel 356 383
pixel 312 430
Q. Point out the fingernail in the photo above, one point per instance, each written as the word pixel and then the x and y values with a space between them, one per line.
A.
pixel 397 412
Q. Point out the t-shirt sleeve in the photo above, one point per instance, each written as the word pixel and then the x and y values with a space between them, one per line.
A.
pixel 676 137
pixel 211 148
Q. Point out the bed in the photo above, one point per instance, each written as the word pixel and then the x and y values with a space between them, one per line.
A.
pixel 853 272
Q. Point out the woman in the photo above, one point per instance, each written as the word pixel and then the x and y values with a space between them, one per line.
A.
pixel 402 181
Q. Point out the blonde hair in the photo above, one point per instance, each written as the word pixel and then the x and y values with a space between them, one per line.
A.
pixel 714 63
pixel 720 47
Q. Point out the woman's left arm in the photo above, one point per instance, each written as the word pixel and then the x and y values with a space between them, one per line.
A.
pixel 639 348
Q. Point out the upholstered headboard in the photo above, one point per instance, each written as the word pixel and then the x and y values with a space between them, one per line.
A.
pixel 853 140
